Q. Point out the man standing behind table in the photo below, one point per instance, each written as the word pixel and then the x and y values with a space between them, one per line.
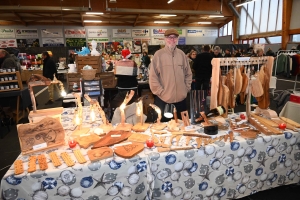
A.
pixel 49 69
pixel 203 69
pixel 170 75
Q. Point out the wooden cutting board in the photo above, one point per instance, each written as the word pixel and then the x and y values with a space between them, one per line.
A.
pixel 48 131
pixel 130 150
pixel 100 153
pixel 86 141
pixel 113 137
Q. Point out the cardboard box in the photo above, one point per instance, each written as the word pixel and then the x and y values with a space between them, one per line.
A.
pixel 295 98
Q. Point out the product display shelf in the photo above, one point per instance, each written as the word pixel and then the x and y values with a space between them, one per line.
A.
pixel 13 85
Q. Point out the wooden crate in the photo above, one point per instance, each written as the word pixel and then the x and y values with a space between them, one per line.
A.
pixel 108 79
pixel 93 61
pixel 73 78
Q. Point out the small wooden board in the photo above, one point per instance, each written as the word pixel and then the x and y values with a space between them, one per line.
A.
pixel 48 131
pixel 100 153
pixel 130 150
pixel 108 140
pixel 80 158
pixel 42 162
pixel 159 126
pixel 139 127
pixel 124 127
pixel 80 132
pixel 86 141
pixel 138 137
pixel 279 121
pixel 18 165
pixel 106 127
pixel 249 134
pixel 67 159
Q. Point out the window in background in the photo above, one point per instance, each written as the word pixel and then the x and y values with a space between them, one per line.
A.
pixel 296 38
pixel 226 29
pixel 229 28
pixel 276 39
pixel 262 41
pixel 261 16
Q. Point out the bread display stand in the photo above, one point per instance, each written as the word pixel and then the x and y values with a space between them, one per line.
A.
pixel 45 134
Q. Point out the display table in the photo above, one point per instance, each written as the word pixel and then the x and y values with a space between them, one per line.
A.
pixel 222 170
pixel 291 111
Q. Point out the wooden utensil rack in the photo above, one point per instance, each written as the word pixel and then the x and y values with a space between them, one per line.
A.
pixel 236 62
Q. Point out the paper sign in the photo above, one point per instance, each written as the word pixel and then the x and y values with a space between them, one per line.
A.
pixel 40 146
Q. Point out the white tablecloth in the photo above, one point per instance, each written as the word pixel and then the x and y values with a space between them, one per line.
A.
pixel 216 171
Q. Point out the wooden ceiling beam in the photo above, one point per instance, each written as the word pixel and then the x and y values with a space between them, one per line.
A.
pixel 182 22
pixel 20 18
pixel 286 19
pixel 136 19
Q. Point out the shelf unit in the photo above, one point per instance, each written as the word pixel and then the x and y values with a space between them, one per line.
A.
pixel 16 80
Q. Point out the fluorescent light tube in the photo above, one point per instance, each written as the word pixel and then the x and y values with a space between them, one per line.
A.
pixel 94 13
pixel 161 22
pixel 170 1
pixel 246 2
pixel 204 22
pixel 211 16
pixel 167 15
pixel 92 21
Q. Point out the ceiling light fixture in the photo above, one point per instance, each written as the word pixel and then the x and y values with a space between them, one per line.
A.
pixel 167 15
pixel 246 2
pixel 212 16
pixel 161 22
pixel 204 22
pixel 170 1
pixel 92 21
pixel 94 13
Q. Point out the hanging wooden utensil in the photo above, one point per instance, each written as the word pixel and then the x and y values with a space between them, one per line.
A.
pixel 244 87
pixel 230 85
pixel 220 92
pixel 256 87
pixel 238 81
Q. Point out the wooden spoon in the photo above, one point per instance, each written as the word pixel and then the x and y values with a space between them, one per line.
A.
pixel 238 81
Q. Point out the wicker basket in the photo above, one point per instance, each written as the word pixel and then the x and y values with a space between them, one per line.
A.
pixel 88 74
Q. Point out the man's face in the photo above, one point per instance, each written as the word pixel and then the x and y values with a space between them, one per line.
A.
pixel 171 41
pixel 44 56
pixel 216 52
pixel 2 54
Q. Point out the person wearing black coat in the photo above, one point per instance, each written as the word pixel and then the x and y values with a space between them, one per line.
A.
pixel 203 69
pixel 49 70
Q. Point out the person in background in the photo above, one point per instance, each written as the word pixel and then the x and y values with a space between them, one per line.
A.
pixel 203 69
pixel 249 52
pixel 227 53
pixel 145 59
pixel 237 53
pixel 49 70
pixel 170 75
pixel 259 52
pixel 7 60
pixel 71 58
pixel 191 59
pixel 270 52
pixel 126 73
pixel 216 53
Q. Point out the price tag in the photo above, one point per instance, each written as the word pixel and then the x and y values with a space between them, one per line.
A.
pixel 39 146
pixel 115 136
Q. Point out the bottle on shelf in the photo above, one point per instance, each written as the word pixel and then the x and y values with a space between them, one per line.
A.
pixel 220 110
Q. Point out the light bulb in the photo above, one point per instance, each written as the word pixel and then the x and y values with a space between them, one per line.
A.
pixel 77 120
pixel 63 93
pixel 122 107
pixel 138 111
pixel 92 115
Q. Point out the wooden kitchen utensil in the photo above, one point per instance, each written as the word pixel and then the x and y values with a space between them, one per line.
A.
pixel 130 150
pixel 86 141
pixel 113 137
pixel 160 149
pixel 100 153
pixel 238 81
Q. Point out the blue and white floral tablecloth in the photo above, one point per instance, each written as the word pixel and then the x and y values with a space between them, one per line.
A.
pixel 216 171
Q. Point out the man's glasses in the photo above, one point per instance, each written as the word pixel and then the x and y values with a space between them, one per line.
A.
pixel 171 37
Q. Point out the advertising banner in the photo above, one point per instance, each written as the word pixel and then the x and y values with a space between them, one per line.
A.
pixel 75 33
pixel 140 32
pixel 75 42
pixel 181 41
pixel 121 32
pixel 145 42
pixel 6 43
pixel 47 33
pixel 158 41
pixel 7 33
pixel 202 33
pixel 27 33
pixel 158 32
pixel 100 44
pixel 53 42
pixel 28 42
pixel 97 32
